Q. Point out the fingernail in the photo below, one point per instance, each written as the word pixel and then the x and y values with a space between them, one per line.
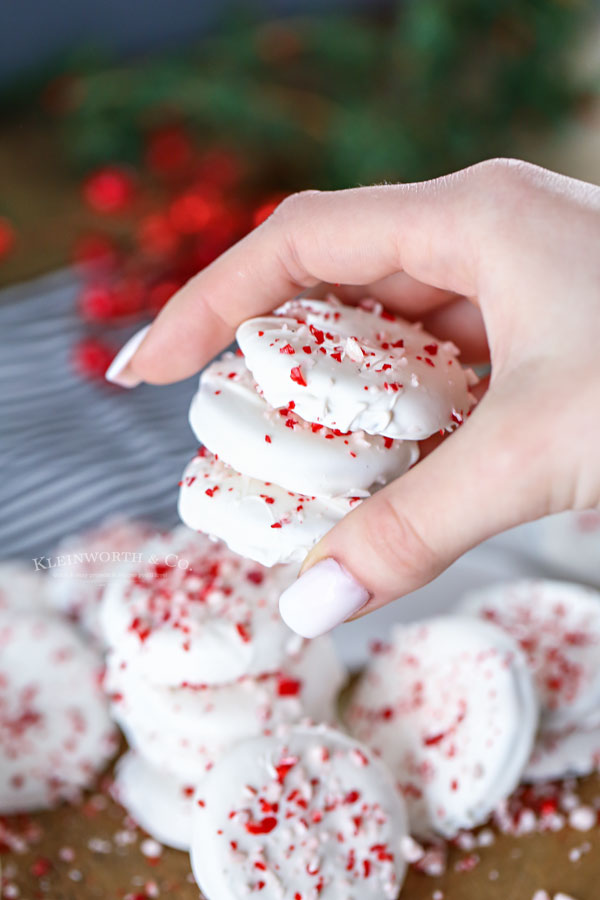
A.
pixel 324 596
pixel 118 372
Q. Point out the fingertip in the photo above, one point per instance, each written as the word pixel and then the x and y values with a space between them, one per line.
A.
pixel 322 597
pixel 120 371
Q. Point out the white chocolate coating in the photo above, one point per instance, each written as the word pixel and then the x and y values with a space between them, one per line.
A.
pixel 230 417
pixel 308 814
pixel 88 562
pixel 557 625
pixel 451 707
pixel 565 755
pixel 256 519
pixel 159 803
pixel 55 731
pixel 185 729
pixel 195 612
pixel 357 369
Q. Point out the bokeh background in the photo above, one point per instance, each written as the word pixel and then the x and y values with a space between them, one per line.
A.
pixel 227 106
pixel 139 140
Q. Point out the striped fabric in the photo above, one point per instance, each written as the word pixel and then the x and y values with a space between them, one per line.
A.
pixel 73 451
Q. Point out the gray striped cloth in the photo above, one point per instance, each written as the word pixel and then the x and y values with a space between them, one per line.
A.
pixel 74 451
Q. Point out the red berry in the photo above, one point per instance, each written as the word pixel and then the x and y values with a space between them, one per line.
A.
pixel 109 190
pixel 97 302
pixel 169 150
pixel 7 237
pixel 92 358
pixel 193 211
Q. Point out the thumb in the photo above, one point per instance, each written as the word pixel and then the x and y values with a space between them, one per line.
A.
pixel 475 484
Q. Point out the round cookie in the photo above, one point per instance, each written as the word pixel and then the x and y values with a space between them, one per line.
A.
pixel 357 368
pixel 159 803
pixel 304 815
pixel 564 755
pixel 451 707
pixel 195 612
pixel 326 463
pixel 557 625
pixel 55 731
pixel 191 726
pixel 257 519
pixel 88 562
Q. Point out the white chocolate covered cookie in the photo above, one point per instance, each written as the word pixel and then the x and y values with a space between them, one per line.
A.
pixel 186 729
pixel 310 814
pixel 87 562
pixel 160 804
pixel 257 519
pixel 195 612
pixel 55 731
pixel 557 625
pixel 231 418
pixel 451 707
pixel 356 369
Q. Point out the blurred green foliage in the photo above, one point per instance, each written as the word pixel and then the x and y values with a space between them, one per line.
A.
pixel 336 101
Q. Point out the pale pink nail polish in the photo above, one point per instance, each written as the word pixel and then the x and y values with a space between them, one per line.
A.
pixel 117 371
pixel 323 597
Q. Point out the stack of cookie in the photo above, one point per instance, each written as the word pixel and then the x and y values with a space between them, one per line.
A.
pixel 200 660
pixel 324 406
pixel 55 731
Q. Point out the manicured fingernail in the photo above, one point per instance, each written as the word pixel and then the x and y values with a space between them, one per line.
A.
pixel 324 596
pixel 118 371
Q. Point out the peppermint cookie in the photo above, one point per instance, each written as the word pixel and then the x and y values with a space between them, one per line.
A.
pixel 87 562
pixel 326 462
pixel 160 804
pixel 357 369
pixel 450 706
pixel 55 731
pixel 195 612
pixel 186 729
pixel 257 519
pixel 557 625
pixel 307 815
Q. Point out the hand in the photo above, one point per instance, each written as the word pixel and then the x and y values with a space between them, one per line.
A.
pixel 503 255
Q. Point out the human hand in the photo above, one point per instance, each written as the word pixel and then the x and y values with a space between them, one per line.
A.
pixel 503 255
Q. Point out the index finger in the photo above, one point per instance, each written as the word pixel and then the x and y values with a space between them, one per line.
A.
pixel 354 237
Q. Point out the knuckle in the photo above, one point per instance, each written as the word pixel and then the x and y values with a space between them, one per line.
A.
pixel 289 219
pixel 293 208
pixel 505 189
pixel 392 539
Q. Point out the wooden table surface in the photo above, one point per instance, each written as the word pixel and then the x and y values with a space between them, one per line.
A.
pixel 93 851
pixel 86 851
